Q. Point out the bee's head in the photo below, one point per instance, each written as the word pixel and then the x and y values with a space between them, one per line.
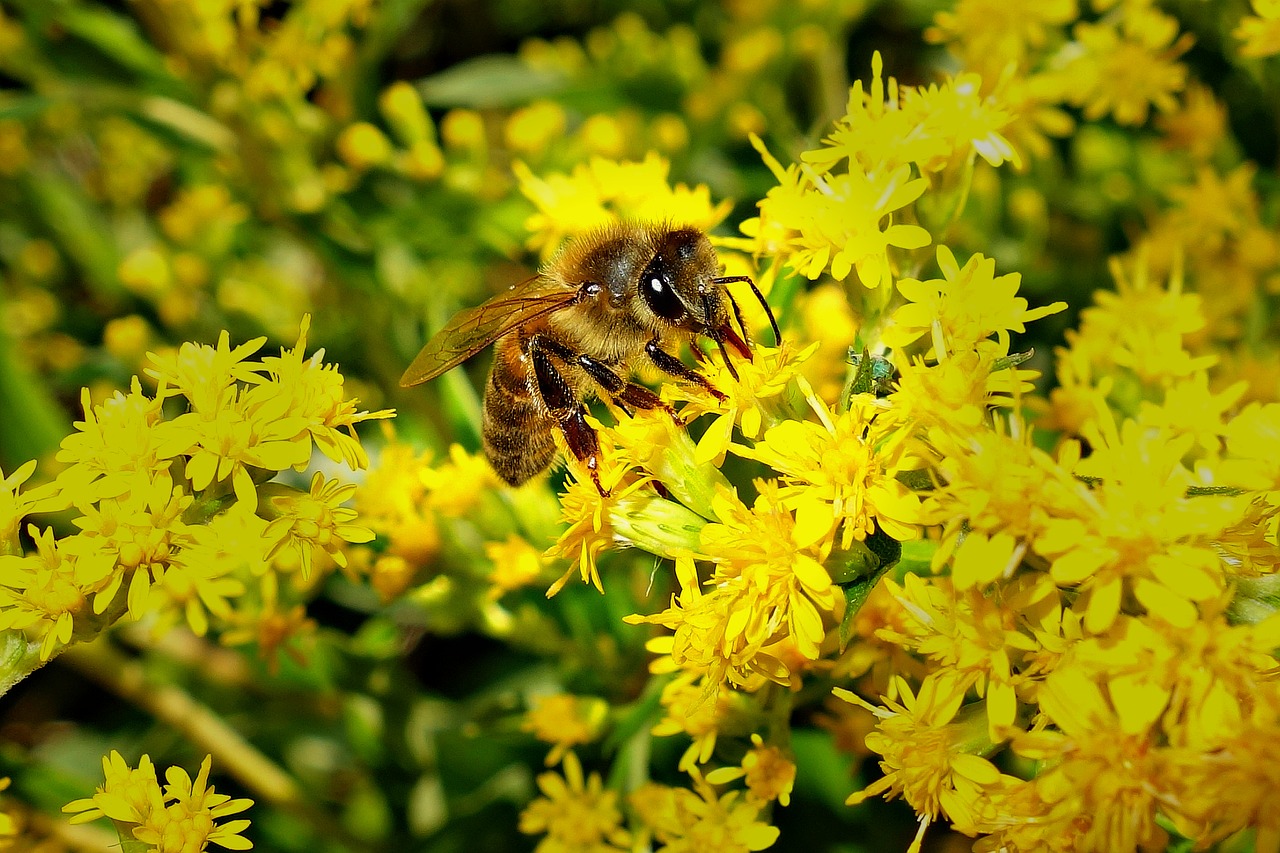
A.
pixel 679 286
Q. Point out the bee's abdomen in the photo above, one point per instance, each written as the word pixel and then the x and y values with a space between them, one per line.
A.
pixel 516 428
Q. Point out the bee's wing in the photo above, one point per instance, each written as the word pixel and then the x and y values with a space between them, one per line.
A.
pixel 473 329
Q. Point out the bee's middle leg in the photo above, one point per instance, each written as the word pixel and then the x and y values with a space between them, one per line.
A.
pixel 567 409
pixel 623 392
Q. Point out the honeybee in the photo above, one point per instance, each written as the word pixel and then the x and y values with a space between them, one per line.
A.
pixel 613 297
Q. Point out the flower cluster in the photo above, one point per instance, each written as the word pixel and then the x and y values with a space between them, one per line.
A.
pixel 177 515
pixel 180 816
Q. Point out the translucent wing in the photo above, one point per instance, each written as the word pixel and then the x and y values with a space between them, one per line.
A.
pixel 473 329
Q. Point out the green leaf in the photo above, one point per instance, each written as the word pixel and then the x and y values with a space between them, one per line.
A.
pixel 33 424
pixel 79 226
pixel 880 554
pixel 115 37
pixel 488 81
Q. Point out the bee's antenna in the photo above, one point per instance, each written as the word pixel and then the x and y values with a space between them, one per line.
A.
pixel 773 323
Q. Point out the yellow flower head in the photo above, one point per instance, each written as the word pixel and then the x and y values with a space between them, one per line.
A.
pixel 314 522
pixel 565 721
pixel 840 473
pixel 969 304
pixel 931 752
pixel 183 816
pixel 576 814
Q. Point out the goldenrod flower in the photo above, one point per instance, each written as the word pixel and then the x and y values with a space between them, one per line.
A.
pixel 115 448
pixel 931 752
pixel 834 222
pixel 980 642
pixel 696 706
pixel 314 391
pixel 139 534
pixel 47 592
pixel 516 564
pixel 565 721
pixel 991 35
pixel 698 821
pixel 1127 66
pixel 578 815
pixel 840 473
pixel 968 305
pixel 1260 31
pixel 314 522
pixel 1103 778
pixel 602 190
pixel 252 428
pixel 15 506
pixel 768 772
pixel 1142 533
pixel 181 817
pixel 756 397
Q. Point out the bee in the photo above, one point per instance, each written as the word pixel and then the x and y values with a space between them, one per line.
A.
pixel 623 294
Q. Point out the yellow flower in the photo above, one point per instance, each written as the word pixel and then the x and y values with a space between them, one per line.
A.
pixel 1125 67
pixel 840 474
pixel 769 774
pixel 565 721
pixel 252 428
pixel 1103 778
pixel 1260 32
pixel 695 706
pixel 834 222
pixel 1232 785
pixel 989 35
pixel 602 191
pixel 969 304
pixel 314 391
pixel 698 821
pixel 314 521
pixel 578 815
pixel 589 516
pixel 516 564
pixel 755 397
pixel 46 593
pixel 115 448
pixel 1142 535
pixel 179 818
pixel 139 534
pixel 765 592
pixel 363 146
pixel 978 641
pixel 931 752
pixel 15 506
pixel 203 374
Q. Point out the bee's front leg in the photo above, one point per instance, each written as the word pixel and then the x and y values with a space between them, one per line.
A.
pixel 566 408
pixel 668 363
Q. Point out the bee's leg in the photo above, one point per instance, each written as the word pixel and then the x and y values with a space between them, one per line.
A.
pixel 626 393
pixel 568 411
pixel 623 392
pixel 668 363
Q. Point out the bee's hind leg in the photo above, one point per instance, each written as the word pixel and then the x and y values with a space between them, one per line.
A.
pixel 570 414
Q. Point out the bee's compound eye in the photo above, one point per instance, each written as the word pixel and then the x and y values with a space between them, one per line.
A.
pixel 659 295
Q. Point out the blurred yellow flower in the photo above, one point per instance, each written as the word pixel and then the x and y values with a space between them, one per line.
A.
pixel 578 815
pixel 1260 31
